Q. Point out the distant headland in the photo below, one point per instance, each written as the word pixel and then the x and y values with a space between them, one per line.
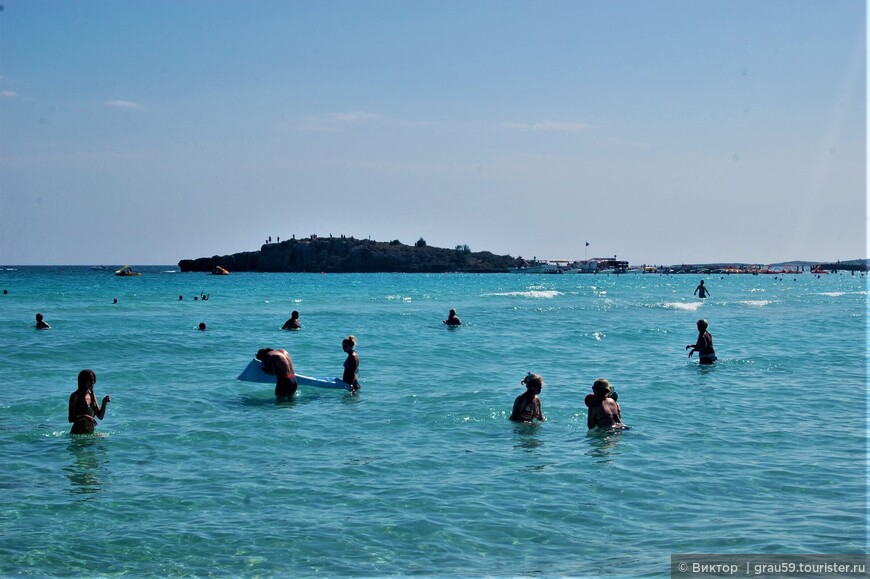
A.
pixel 345 254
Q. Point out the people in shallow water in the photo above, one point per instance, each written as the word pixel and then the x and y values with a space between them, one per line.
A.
pixel 83 405
pixel 701 290
pixel 604 412
pixel 278 363
pixel 293 322
pixel 202 327
pixel 351 364
pixel 704 345
pixel 527 406
pixel 41 324
pixel 452 318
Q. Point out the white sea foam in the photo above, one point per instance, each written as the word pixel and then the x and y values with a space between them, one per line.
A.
pixel 833 294
pixel 545 294
pixel 756 303
pixel 685 306
pixel 398 298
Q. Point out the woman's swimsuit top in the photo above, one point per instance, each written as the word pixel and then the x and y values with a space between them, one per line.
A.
pixel 526 409
pixel 84 404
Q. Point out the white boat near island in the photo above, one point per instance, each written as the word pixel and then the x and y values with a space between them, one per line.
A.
pixel 550 266
pixel 540 266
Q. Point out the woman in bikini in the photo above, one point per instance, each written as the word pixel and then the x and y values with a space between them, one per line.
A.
pixel 527 406
pixel 83 405
pixel 279 364
pixel 351 364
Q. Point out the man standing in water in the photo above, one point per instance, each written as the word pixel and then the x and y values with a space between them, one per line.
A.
pixel 704 345
pixel 701 290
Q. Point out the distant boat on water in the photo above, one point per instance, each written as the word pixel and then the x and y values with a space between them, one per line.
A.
pixel 126 271
pixel 540 266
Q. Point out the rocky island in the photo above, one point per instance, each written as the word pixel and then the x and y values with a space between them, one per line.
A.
pixel 348 255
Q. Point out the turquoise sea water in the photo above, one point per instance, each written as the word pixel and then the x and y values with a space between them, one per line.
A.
pixel 194 473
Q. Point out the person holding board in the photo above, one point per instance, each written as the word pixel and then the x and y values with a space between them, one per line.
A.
pixel 278 363
pixel 351 364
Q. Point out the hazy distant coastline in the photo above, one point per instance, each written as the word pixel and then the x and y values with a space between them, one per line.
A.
pixel 345 254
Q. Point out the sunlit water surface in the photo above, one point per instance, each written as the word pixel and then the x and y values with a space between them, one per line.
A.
pixel 421 473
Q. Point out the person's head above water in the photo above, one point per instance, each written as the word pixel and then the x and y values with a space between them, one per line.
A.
pixel 87 378
pixel 349 343
pixel 601 388
pixel 533 382
pixel 702 325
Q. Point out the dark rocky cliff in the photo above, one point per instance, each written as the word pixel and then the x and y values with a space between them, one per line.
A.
pixel 349 255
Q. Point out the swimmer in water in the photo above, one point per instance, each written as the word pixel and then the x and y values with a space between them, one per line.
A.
pixel 41 324
pixel 293 322
pixel 704 345
pixel 701 290
pixel 278 363
pixel 83 404
pixel 527 406
pixel 452 319
pixel 604 412
pixel 351 364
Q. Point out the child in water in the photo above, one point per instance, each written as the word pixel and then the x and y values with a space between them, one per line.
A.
pixel 527 406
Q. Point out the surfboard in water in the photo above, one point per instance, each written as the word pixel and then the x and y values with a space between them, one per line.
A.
pixel 253 372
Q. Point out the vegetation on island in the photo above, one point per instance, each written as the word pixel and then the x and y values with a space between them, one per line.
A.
pixel 348 255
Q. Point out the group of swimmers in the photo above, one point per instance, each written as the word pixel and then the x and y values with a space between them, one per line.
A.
pixel 277 362
pixel 603 409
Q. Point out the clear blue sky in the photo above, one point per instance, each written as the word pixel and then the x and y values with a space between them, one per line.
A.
pixel 664 132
